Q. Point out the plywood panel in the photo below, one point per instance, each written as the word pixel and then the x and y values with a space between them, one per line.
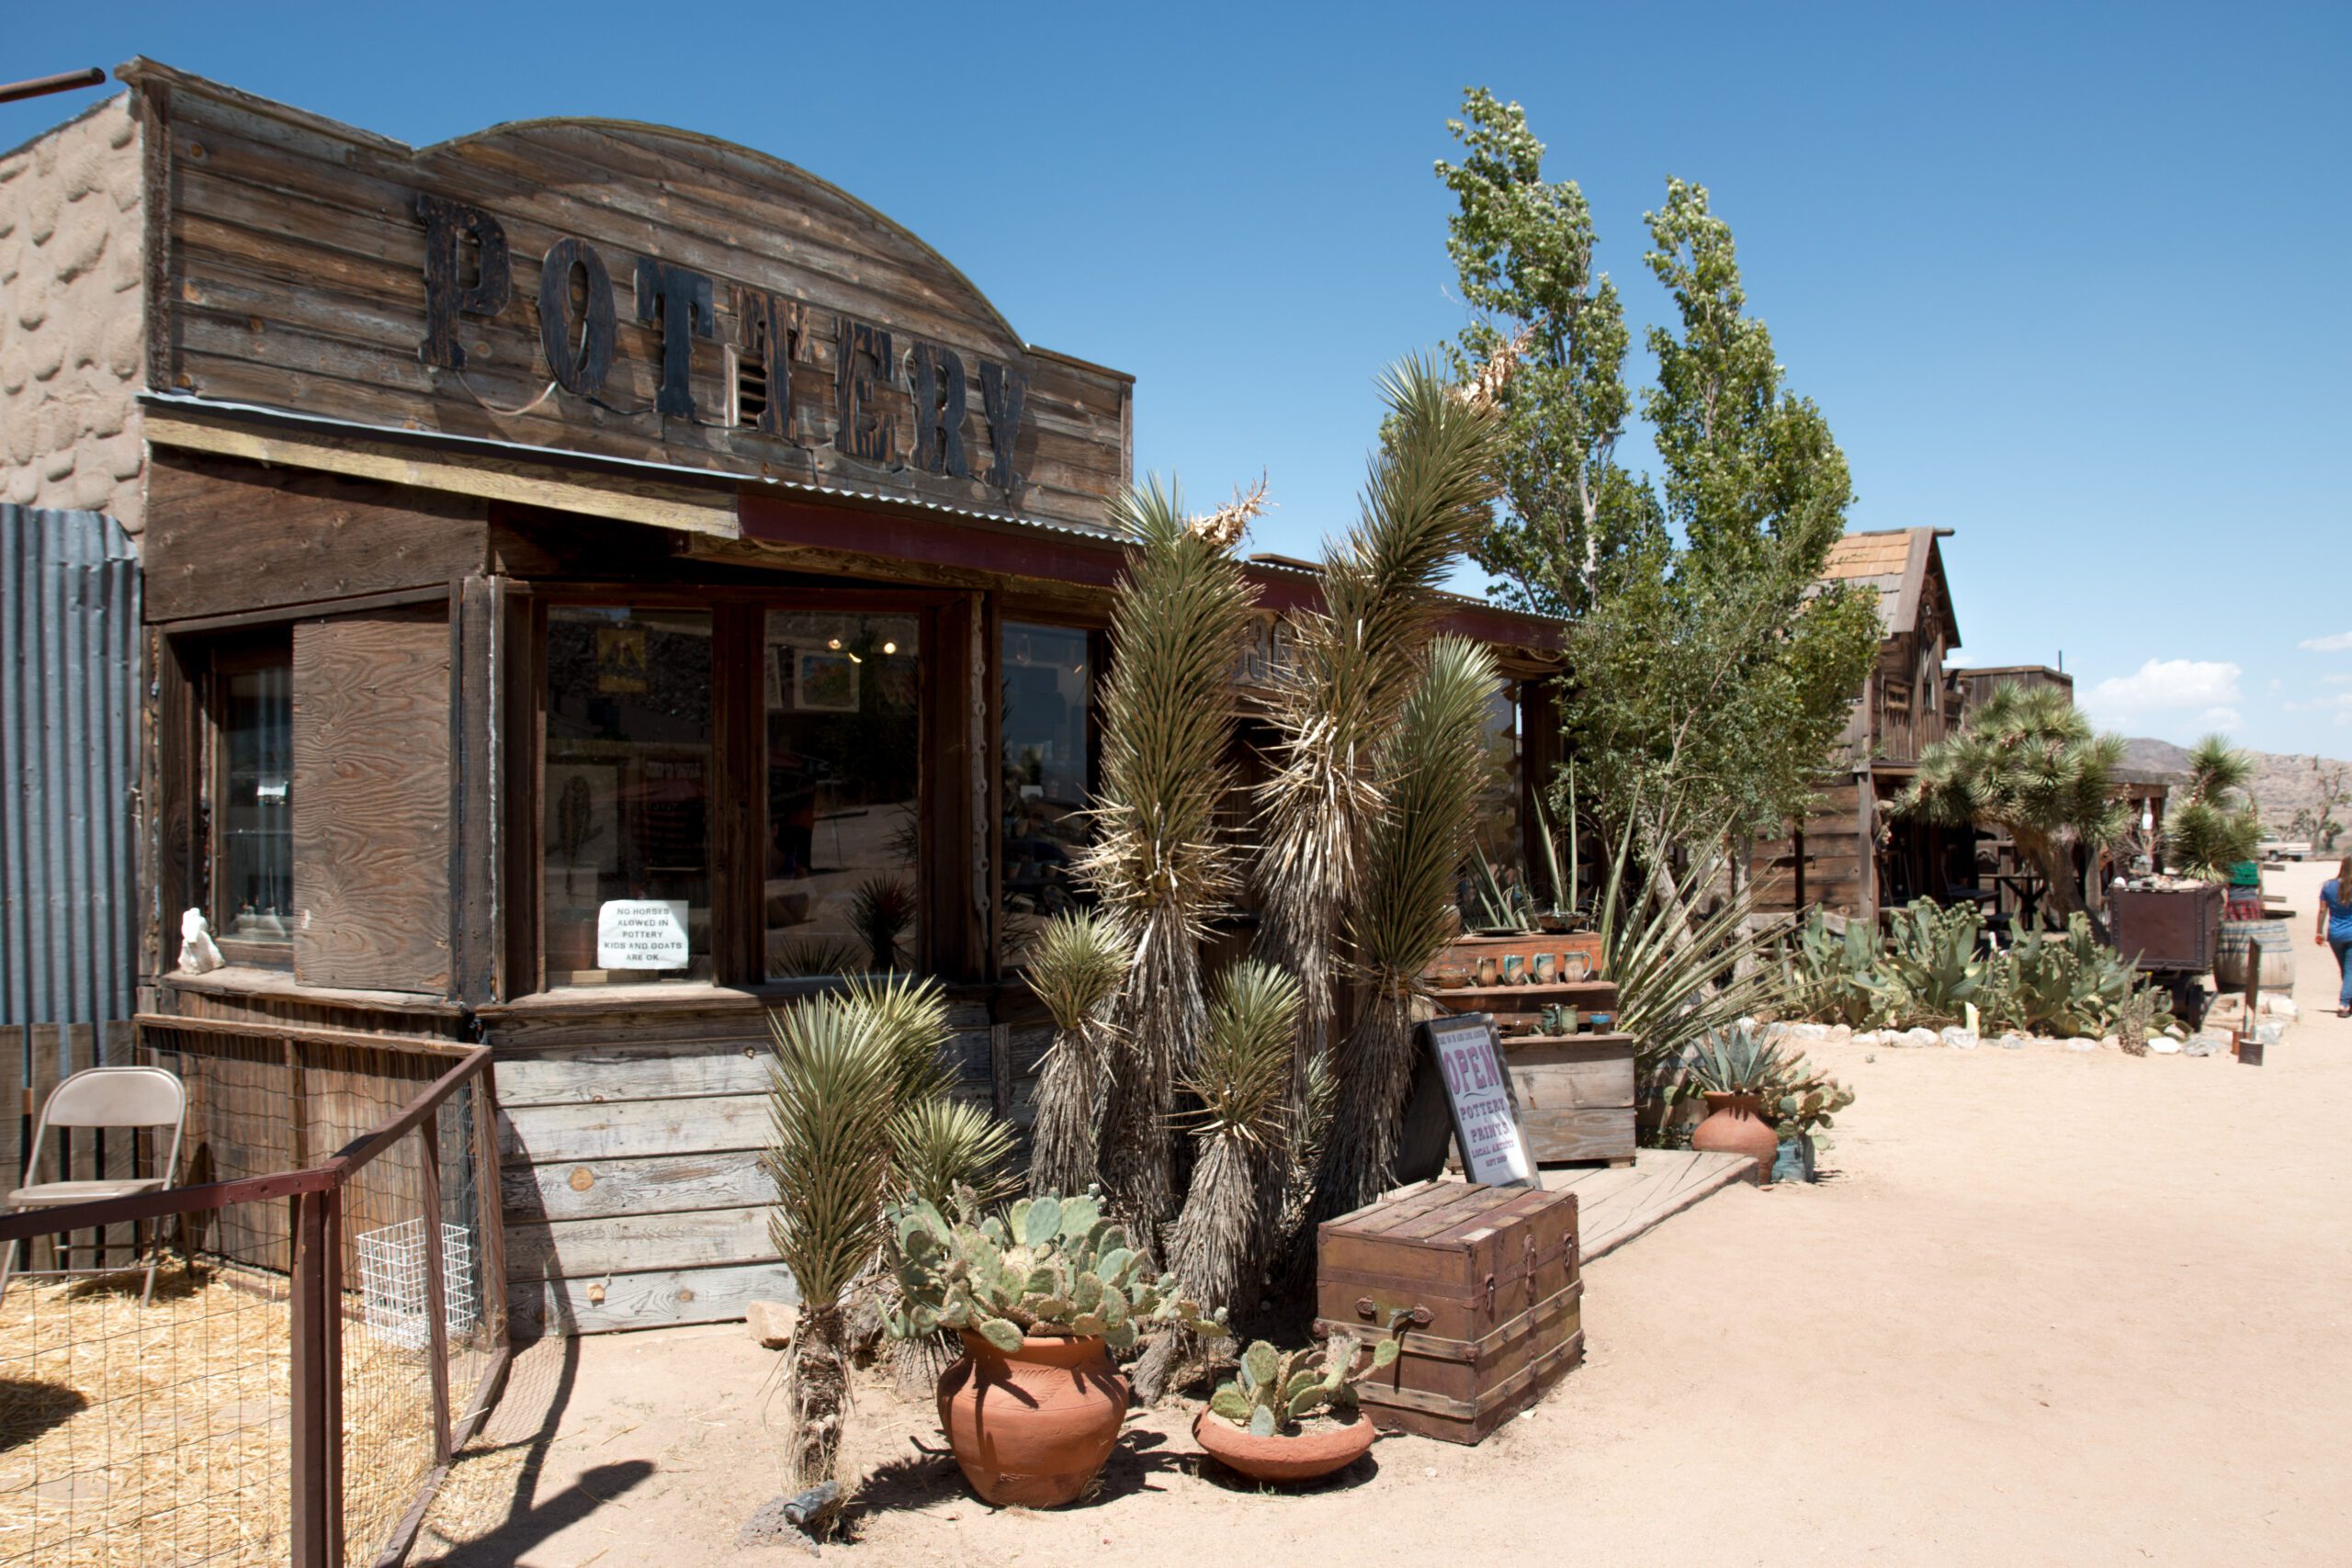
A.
pixel 371 803
pixel 649 1300
pixel 633 1127
pixel 573 1249
pixel 592 1075
pixel 607 1189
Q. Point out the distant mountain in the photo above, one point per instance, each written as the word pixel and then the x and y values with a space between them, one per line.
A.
pixel 2284 784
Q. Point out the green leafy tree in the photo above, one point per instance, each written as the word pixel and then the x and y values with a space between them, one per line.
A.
pixel 1713 679
pixel 2026 761
pixel 1523 249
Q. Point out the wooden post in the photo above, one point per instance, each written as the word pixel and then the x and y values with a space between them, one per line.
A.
pixel 312 1372
pixel 1000 1069
pixel 490 1264
pixel 435 1288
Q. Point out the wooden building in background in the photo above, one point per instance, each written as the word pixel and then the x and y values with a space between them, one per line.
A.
pixel 1852 856
pixel 601 582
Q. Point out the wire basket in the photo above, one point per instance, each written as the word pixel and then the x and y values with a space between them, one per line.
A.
pixel 392 1283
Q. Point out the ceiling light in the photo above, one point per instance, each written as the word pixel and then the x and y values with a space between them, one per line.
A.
pixel 890 648
pixel 834 643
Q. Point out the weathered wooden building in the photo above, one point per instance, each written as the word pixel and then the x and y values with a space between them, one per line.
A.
pixel 1852 855
pixel 601 582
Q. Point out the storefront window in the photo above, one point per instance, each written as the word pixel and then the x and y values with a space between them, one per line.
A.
pixel 627 878
pixel 253 888
pixel 845 767
pixel 1495 828
pixel 1046 755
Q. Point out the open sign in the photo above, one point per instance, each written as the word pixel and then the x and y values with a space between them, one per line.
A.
pixel 1478 1092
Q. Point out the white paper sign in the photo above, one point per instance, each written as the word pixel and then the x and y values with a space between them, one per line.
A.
pixel 1485 1117
pixel 642 934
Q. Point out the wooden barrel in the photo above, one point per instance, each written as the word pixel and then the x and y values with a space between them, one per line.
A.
pixel 2277 954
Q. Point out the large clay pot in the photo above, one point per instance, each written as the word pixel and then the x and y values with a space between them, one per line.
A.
pixel 1310 1456
pixel 1735 1125
pixel 1032 1429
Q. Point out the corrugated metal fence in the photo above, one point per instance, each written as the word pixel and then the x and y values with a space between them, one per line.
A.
pixel 69 773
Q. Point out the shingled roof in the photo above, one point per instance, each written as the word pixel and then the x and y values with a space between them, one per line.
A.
pixel 1898 562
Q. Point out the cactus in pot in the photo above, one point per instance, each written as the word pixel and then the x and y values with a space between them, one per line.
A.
pixel 1050 1286
pixel 1271 1393
pixel 1048 1266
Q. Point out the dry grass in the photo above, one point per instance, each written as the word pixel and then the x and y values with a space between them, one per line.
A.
pixel 161 1436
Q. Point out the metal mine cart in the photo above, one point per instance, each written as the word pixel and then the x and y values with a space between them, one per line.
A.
pixel 2173 934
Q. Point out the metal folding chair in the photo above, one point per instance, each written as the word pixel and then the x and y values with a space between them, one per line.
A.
pixel 126 1098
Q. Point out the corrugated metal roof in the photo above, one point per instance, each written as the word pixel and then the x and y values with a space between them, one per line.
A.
pixel 69 748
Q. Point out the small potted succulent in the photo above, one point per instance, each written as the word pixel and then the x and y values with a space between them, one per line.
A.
pixel 1041 1296
pixel 1733 1068
pixel 1257 1422
pixel 1800 1100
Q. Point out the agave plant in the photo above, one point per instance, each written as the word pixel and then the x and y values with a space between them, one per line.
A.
pixel 1271 1393
pixel 1736 1060
pixel 1158 860
pixel 1931 971
pixel 2069 983
pixel 1397 923
pixel 1080 960
pixel 1242 1083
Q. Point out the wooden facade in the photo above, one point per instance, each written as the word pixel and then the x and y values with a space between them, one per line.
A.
pixel 1852 856
pixel 471 457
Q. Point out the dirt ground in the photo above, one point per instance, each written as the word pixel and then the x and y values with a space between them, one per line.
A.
pixel 2047 1307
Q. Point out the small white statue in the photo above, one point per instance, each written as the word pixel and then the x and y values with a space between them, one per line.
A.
pixel 197 951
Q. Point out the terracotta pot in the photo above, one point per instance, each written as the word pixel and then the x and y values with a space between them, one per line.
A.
pixel 1032 1429
pixel 1309 1456
pixel 1735 1125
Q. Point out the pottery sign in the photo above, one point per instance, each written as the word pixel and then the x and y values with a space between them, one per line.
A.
pixel 642 934
pixel 1478 1092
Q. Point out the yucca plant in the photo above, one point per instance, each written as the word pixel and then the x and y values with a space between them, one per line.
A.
pixel 1242 1083
pixel 1159 862
pixel 909 1014
pixel 2216 825
pixel 881 909
pixel 1352 664
pixel 940 1145
pixel 832 1092
pixel 1075 969
pixel 1432 765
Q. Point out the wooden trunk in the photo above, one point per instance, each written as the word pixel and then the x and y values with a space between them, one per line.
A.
pixel 1489 1280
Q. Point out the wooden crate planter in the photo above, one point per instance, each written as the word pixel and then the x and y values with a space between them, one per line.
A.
pixel 1576 1095
pixel 1488 1280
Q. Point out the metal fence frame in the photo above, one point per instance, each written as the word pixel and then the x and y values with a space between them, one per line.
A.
pixel 314 1195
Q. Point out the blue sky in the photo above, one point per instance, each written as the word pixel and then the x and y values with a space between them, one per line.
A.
pixel 2070 280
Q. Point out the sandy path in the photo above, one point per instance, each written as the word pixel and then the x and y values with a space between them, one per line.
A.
pixel 2051 1307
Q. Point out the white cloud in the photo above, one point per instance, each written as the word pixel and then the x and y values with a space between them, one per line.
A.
pixel 2221 718
pixel 2336 680
pixel 2165 686
pixel 2336 642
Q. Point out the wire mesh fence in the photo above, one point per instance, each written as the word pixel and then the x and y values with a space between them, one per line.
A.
pixel 309 1360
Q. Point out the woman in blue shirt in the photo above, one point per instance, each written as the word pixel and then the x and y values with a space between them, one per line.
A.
pixel 2335 929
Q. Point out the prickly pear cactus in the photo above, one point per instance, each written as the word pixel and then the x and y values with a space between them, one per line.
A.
pixel 1047 1265
pixel 1271 1392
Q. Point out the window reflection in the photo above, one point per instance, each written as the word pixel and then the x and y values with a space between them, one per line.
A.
pixel 1046 757
pixel 255 866
pixel 627 882
pixel 844 770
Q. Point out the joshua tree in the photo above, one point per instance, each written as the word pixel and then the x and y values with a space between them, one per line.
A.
pixel 2216 825
pixel 833 1089
pixel 1080 960
pixel 1350 665
pixel 1397 924
pixel 2026 761
pixel 859 1108
pixel 1159 861
pixel 1242 1081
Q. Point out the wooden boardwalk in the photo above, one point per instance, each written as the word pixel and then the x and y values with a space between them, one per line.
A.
pixel 1616 1203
